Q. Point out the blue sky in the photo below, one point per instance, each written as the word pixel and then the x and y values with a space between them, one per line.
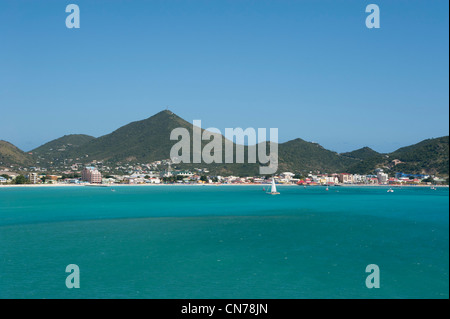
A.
pixel 310 68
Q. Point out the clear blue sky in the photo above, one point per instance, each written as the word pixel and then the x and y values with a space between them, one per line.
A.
pixel 310 68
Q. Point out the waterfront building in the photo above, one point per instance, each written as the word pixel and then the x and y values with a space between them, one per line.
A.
pixel 332 179
pixel 345 178
pixel 33 178
pixel 382 177
pixel 92 175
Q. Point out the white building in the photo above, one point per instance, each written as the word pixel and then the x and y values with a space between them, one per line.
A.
pixel 358 179
pixel 155 180
pixel 332 180
pixel 33 178
pixel 382 177
pixel 287 176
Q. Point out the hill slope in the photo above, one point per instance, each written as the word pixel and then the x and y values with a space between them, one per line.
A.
pixel 60 148
pixel 148 140
pixel 141 141
pixel 430 156
pixel 301 156
pixel 11 155
pixel 361 154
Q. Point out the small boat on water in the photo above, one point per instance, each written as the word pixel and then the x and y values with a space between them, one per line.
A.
pixel 433 188
pixel 273 188
pixel 390 190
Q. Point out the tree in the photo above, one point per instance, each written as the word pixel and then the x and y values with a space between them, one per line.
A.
pixel 170 179
pixel 20 180
pixel 203 178
pixel 5 176
pixel 70 175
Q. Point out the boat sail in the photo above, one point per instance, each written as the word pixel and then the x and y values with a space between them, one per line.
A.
pixel 273 188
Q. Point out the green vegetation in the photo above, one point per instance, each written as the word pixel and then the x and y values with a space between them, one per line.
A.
pixel 142 141
pixel 430 156
pixel 301 156
pixel 20 180
pixel 62 148
pixel 72 175
pixel 368 165
pixel 11 155
pixel 362 153
pixel 169 179
pixel 149 140
pixel 427 157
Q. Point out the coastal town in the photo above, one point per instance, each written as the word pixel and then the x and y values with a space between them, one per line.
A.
pixel 161 172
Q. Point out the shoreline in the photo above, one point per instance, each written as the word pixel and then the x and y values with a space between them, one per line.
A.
pixel 185 185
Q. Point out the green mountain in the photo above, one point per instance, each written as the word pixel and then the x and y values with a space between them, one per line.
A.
pixel 369 165
pixel 60 148
pixel 361 154
pixel 11 155
pixel 430 156
pixel 148 140
pixel 301 156
pixel 141 141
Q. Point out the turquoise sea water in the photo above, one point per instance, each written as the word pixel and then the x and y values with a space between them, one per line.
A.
pixel 223 242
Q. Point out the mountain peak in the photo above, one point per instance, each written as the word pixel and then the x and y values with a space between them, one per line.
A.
pixel 164 115
pixel 165 112
pixel 362 153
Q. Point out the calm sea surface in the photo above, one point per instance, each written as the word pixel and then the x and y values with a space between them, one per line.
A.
pixel 223 242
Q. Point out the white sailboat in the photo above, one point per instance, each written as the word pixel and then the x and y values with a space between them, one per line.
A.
pixel 273 188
